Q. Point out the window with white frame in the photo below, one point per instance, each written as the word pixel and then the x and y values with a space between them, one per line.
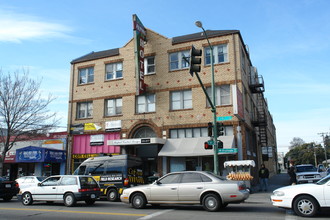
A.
pixel 84 110
pixel 220 54
pixel 222 95
pixel 149 65
pixel 113 71
pixel 146 103
pixel 86 75
pixel 177 60
pixel 113 107
pixel 188 132
pixel 181 100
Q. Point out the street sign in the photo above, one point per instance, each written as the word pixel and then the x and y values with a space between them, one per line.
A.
pixel 227 150
pixel 224 118
pixel 210 142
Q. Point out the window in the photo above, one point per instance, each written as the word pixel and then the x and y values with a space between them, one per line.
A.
pixel 222 95
pixel 177 60
pixel 86 75
pixel 84 110
pixel 149 65
pixel 113 71
pixel 113 107
pixel 188 132
pixel 170 179
pixel 181 100
pixel 51 181
pixel 191 178
pixel 220 54
pixel 69 181
pixel 145 103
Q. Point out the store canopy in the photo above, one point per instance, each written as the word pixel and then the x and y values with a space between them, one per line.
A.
pixel 32 154
pixel 239 163
pixel 188 147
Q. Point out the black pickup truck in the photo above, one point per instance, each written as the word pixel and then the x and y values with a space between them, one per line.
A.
pixel 8 189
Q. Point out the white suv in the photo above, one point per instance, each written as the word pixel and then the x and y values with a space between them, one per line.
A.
pixel 308 173
pixel 66 188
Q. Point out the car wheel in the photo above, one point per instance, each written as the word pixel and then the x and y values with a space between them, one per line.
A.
pixel 27 198
pixel 211 202
pixel 305 206
pixel 7 198
pixel 139 201
pixel 90 201
pixel 112 195
pixel 69 200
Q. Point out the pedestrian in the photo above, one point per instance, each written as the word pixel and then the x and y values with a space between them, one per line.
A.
pixel 263 176
pixel 292 174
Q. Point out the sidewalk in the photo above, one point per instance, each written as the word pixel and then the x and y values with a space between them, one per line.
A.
pixel 275 182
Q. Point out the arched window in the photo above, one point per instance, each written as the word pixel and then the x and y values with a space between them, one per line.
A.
pixel 144 132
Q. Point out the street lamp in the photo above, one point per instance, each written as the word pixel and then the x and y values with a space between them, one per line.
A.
pixel 215 133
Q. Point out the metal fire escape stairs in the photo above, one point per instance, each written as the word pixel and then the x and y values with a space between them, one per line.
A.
pixel 260 117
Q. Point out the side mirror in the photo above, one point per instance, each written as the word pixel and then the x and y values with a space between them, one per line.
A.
pixel 39 184
pixel 158 182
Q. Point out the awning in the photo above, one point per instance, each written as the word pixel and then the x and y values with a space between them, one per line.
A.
pixel 187 147
pixel 239 163
pixel 32 154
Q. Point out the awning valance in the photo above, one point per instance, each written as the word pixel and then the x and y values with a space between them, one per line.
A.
pixel 32 154
pixel 187 147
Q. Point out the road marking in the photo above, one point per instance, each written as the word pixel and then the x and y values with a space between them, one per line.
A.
pixel 67 211
pixel 155 214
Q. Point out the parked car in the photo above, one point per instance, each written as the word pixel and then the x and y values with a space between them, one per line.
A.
pixel 188 187
pixel 65 188
pixel 304 199
pixel 308 173
pixel 28 181
pixel 8 189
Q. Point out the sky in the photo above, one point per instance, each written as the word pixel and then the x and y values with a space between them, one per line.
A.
pixel 288 40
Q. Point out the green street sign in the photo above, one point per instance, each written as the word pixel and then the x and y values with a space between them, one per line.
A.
pixel 210 142
pixel 224 118
pixel 227 150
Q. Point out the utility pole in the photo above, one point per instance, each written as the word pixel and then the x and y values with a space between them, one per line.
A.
pixel 323 135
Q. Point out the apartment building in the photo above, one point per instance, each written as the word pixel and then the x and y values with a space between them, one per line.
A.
pixel 166 123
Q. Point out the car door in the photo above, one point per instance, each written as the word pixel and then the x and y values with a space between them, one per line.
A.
pixel 326 192
pixel 165 189
pixel 190 187
pixel 46 190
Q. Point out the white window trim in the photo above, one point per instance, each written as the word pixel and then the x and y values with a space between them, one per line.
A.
pixel 115 71
pixel 145 104
pixel 114 107
pixel 88 70
pixel 218 96
pixel 88 106
pixel 146 64
pixel 215 54
pixel 180 60
pixel 182 100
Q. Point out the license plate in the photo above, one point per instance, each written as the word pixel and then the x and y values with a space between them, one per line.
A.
pixel 93 196
pixel 8 186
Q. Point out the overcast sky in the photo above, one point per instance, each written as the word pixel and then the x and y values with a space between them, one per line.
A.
pixel 288 43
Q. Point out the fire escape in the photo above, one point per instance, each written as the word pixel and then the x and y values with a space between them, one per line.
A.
pixel 260 116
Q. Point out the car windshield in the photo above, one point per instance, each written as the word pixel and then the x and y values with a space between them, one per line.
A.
pixel 305 169
pixel 324 180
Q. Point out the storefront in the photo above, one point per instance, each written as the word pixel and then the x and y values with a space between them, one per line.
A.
pixel 92 145
pixel 40 161
pixel 189 154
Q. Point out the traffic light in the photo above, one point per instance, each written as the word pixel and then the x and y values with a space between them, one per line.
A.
pixel 209 129
pixel 195 61
pixel 220 129
pixel 220 144
pixel 207 146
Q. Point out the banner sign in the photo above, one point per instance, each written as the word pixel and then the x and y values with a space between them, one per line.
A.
pixel 33 154
pixel 113 125
pixel 77 129
pixel 91 127
pixel 238 102
pixel 96 140
pixel 139 39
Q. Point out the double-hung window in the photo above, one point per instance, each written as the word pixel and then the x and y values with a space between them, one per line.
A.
pixel 84 110
pixel 220 54
pixel 178 60
pixel 86 75
pixel 149 65
pixel 146 103
pixel 222 95
pixel 181 100
pixel 113 71
pixel 113 106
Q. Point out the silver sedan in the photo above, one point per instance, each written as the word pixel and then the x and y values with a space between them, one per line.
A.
pixel 188 187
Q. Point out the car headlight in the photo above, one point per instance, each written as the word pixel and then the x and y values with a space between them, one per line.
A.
pixel 279 193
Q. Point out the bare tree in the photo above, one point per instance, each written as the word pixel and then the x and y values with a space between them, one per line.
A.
pixel 23 111
pixel 296 142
